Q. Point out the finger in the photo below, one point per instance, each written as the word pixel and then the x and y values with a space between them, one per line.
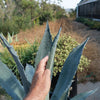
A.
pixel 42 64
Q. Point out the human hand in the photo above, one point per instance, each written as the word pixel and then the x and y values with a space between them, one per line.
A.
pixel 41 82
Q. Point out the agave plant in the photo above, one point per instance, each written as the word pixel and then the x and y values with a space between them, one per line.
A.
pixel 18 91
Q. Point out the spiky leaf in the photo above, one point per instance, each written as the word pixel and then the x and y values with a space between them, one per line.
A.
pixel 10 38
pixel 83 96
pixel 29 72
pixel 51 56
pixel 68 71
pixel 20 67
pixel 52 52
pixel 10 83
pixel 45 46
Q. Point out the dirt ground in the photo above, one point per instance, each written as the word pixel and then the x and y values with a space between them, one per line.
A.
pixel 92 51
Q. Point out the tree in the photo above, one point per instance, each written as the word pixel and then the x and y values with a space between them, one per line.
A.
pixel 8 8
pixel 2 7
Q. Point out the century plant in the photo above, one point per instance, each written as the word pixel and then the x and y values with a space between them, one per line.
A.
pixel 18 91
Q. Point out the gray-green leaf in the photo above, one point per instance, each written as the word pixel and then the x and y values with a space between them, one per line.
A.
pixel 45 46
pixel 68 71
pixel 9 82
pixel 52 52
pixel 20 67
pixel 29 72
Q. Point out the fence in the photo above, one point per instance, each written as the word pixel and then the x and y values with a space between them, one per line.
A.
pixel 90 10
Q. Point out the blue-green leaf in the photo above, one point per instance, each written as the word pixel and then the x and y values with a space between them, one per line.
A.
pixel 45 46
pixel 2 41
pixel 16 38
pixel 64 96
pixel 52 52
pixel 68 71
pixel 20 67
pixel 51 56
pixel 29 72
pixel 10 38
pixel 10 83
pixel 83 96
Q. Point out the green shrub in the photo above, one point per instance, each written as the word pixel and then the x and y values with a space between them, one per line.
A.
pixel 46 15
pixel 64 47
pixel 26 54
pixel 89 22
pixel 23 22
pixel 9 26
pixel 7 59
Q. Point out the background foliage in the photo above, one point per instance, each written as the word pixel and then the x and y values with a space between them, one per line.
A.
pixel 21 14
pixel 89 22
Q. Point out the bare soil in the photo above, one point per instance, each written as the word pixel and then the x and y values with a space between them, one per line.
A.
pixel 92 51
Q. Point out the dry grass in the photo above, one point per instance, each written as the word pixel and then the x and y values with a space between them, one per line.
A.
pixel 81 32
pixel 37 32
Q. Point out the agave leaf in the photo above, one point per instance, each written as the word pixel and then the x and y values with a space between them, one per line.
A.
pixel 13 34
pixel 16 38
pixel 1 40
pixel 64 96
pixel 52 52
pixel 9 82
pixel 51 56
pixel 68 71
pixel 29 72
pixel 83 96
pixel 10 38
pixel 20 67
pixel 45 46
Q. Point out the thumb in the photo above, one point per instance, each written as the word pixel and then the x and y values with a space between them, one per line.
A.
pixel 42 64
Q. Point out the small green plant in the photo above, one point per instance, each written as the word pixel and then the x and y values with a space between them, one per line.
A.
pixel 26 53
pixel 89 22
pixel 10 38
pixel 13 87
